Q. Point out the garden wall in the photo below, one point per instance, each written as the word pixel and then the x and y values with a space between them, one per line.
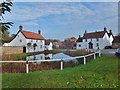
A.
pixel 11 50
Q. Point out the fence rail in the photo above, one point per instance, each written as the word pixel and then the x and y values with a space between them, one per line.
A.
pixel 51 60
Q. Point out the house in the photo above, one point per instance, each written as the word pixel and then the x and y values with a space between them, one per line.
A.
pixel 116 42
pixel 95 40
pixel 48 45
pixel 57 44
pixel 69 43
pixel 30 41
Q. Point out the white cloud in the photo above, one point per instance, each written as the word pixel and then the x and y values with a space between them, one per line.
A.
pixel 44 9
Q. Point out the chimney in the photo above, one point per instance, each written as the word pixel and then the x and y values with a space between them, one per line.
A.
pixel 110 31
pixel 20 28
pixel 79 36
pixel 39 32
pixel 85 31
pixel 105 29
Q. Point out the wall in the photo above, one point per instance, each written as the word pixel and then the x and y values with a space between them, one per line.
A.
pixel 19 40
pixel 40 45
pixel 11 50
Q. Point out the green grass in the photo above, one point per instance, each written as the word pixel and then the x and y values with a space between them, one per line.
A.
pixel 99 73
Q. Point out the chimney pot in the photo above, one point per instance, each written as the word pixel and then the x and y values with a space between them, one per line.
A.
pixel 20 27
pixel 85 31
pixel 39 32
pixel 110 31
pixel 105 29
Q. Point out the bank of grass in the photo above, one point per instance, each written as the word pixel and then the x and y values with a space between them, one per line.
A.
pixel 77 52
pixel 99 73
pixel 22 56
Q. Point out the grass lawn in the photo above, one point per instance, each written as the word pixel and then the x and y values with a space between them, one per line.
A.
pixel 99 73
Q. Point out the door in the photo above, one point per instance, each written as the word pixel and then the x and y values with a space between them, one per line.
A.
pixel 90 45
pixel 24 49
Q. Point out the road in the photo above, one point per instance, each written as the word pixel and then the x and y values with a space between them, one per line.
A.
pixel 108 51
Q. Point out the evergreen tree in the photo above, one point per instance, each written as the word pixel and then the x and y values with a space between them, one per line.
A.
pixel 5 6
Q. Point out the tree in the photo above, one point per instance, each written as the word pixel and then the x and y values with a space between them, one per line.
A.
pixel 5 6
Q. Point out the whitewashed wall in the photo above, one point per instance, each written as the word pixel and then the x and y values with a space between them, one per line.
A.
pixel 111 39
pixel 102 42
pixel 49 47
pixel 20 40
pixel 106 40
pixel 40 45
pixel 17 39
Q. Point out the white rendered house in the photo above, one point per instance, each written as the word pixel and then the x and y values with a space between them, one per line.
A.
pixel 31 42
pixel 95 40
pixel 48 45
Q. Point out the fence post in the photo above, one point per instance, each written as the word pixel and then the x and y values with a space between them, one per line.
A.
pixel 84 60
pixel 99 53
pixel 27 69
pixel 61 64
pixel 94 56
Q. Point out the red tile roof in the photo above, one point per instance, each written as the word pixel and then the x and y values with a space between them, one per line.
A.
pixel 116 39
pixel 31 35
pixel 99 34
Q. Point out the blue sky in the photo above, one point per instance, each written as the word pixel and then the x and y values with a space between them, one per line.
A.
pixel 60 20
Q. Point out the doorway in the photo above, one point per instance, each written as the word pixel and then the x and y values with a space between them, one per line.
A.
pixel 24 49
pixel 90 45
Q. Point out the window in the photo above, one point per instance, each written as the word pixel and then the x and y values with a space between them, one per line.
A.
pixel 97 44
pixel 79 45
pixel 41 46
pixel 36 40
pixel 97 39
pixel 31 40
pixel 86 40
pixel 91 39
pixel 20 40
pixel 18 35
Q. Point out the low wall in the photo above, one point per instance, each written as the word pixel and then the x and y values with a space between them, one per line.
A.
pixel 11 50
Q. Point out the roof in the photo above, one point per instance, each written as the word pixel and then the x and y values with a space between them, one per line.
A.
pixel 47 42
pixel 99 34
pixel 116 39
pixel 32 35
pixel 79 39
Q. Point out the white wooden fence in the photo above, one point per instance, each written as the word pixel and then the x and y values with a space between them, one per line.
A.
pixel 51 60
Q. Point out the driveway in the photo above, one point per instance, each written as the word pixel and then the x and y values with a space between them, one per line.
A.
pixel 108 51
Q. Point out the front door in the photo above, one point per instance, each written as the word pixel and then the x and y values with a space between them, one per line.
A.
pixel 24 49
pixel 90 45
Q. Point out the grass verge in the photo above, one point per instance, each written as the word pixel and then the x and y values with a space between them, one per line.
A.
pixel 99 73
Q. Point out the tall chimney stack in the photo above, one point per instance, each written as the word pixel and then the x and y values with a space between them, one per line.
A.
pixel 20 27
pixel 110 31
pixel 39 32
pixel 79 36
pixel 105 29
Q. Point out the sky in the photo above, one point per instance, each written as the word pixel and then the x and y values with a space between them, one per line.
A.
pixel 60 20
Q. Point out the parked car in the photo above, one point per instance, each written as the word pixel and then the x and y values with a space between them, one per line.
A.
pixel 108 47
pixel 118 52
